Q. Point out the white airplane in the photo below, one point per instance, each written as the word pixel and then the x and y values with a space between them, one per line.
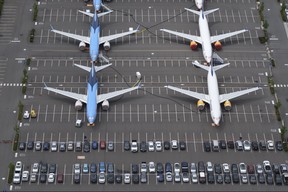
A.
pixel 91 98
pixel 205 39
pixel 213 98
pixel 199 4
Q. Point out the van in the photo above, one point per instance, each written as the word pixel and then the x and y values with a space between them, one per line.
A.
pixel 215 145
pixel 78 146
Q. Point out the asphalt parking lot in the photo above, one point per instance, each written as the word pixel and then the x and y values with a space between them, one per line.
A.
pixel 152 113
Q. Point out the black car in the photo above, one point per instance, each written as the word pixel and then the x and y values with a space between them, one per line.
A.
pixel 279 145
pixel 234 168
pixel 235 178
pixel 43 178
pixel 93 178
pixel 46 146
pixel 118 178
pixel 222 144
pixel 252 179
pixel 210 178
pixel 143 146
pixel 276 168
pixel 76 178
pixel 262 146
pixel 219 179
pixel 22 146
pixel 43 167
pixel 30 145
pixel 126 145
pixel 166 145
pixel 86 147
pixel 261 178
pixel 135 168
pixel 201 166
pixel 230 144
pixel 278 179
pixel 207 146
pixel 168 167
pixel 110 178
pixel 93 168
pixel 159 168
pixel 135 178
pixel 160 177
pixel 254 146
pixel 227 178
pixel 269 179
pixel 217 168
pixel 52 168
pixel 182 145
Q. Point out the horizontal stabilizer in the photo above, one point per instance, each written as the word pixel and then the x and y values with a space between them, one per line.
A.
pixel 193 11
pixel 217 60
pixel 97 68
pixel 210 11
pixel 200 65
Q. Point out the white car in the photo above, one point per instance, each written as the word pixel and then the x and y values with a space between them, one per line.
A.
pixel 158 146
pixel 242 168
pixel 16 178
pixel 169 177
pixel 226 168
pixel 209 166
pixel 177 168
pixel 33 178
pixel 247 145
pixel 25 176
pixel 177 177
pixel 127 178
pixel 134 146
pixel 194 178
pixel 18 167
pixel 174 144
pixel 26 115
pixel 267 166
pixel 151 167
pixel 54 146
pixel 151 146
pixel 259 168
pixel 77 168
pixel 244 178
pixel 102 178
pixel 35 168
pixel 51 178
pixel 185 177
pixel 38 146
pixel 270 145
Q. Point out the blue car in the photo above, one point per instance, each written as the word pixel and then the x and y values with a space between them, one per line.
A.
pixel 102 167
pixel 94 145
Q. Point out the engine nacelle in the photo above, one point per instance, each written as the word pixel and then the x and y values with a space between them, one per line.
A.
pixel 227 105
pixel 82 46
pixel 200 105
pixel 193 45
pixel 105 105
pixel 106 46
pixel 218 45
pixel 78 105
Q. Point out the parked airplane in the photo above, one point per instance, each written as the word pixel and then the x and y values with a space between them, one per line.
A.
pixel 199 3
pixel 94 40
pixel 205 39
pixel 91 98
pixel 213 98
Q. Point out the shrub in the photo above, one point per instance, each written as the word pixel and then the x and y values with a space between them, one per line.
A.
pixel 15 142
pixel 31 36
pixel 35 11
pixel 11 172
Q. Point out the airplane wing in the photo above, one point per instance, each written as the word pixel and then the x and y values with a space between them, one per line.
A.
pixel 228 96
pixel 97 68
pixel 115 36
pixel 76 96
pixel 226 35
pixel 106 96
pixel 184 35
pixel 73 36
pixel 196 95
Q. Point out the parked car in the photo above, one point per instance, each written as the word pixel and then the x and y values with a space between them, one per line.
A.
pixel 38 146
pixel 217 168
pixel 25 176
pixel 126 145
pixel 226 168
pixel 270 145
pixel 22 146
pixel 110 146
pixel 30 145
pixel 222 144
pixel 254 146
pixel 239 145
pixel 94 145
pixel 151 146
pixel 54 146
pixel 151 167
pixel 102 144
pixel 252 179
pixel 127 178
pixel 207 146
pixel 70 146
pixel 262 145
pixel 143 146
pixel 267 167
pixel 86 146
pixel 158 145
pixel 182 145
pixel 230 144
pixel 279 145
pixel 242 168
pixel 174 144
pixel 247 145
pixel 166 145
pixel 62 147
pixel 35 168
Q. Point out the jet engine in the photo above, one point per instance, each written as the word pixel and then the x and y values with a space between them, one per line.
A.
pixel 227 105
pixel 200 105
pixel 106 46
pixel 218 45
pixel 193 45
pixel 78 105
pixel 105 105
pixel 82 46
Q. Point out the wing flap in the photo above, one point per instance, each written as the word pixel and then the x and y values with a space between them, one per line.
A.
pixel 106 96
pixel 226 35
pixel 73 36
pixel 229 96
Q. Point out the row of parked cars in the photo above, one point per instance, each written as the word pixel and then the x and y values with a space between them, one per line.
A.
pixel 178 172
pixel 240 145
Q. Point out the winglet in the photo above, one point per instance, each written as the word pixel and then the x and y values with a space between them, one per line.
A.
pixel 51 28
pixel 45 84
pixel 137 29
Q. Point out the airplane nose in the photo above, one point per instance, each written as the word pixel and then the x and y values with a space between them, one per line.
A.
pixel 91 120
pixel 97 7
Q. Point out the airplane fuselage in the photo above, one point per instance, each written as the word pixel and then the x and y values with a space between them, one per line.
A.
pixel 94 38
pixel 215 107
pixel 92 87
pixel 205 36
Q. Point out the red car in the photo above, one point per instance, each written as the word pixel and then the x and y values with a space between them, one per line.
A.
pixel 102 145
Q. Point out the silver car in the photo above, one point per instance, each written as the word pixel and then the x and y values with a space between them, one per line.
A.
pixel 169 177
